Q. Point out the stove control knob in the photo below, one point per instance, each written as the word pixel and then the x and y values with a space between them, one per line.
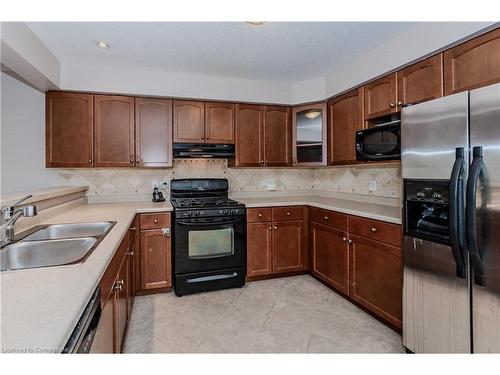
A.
pixel 188 213
pixel 231 211
pixel 420 194
pixel 437 196
pixel 224 212
pixel 197 213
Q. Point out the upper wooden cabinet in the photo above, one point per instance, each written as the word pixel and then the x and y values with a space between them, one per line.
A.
pixel 381 97
pixel 153 132
pixel 277 136
pixel 345 117
pixel 421 81
pixel 189 121
pixel 249 135
pixel 472 64
pixel 114 131
pixel 309 134
pixel 219 122
pixel 68 130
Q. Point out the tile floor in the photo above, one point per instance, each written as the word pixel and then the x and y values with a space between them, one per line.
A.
pixel 287 315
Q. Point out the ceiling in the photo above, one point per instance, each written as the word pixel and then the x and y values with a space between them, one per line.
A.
pixel 279 51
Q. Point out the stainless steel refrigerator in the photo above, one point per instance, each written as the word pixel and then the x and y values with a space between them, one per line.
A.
pixel 451 220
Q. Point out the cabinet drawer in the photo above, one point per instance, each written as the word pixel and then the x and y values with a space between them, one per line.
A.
pixel 255 215
pixel 288 213
pixel 154 221
pixel 377 230
pixel 329 218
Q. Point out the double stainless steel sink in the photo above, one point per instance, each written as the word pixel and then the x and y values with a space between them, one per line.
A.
pixel 54 245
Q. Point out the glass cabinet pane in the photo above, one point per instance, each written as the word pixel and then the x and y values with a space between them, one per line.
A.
pixel 309 135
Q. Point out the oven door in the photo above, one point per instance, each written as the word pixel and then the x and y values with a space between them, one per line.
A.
pixel 379 143
pixel 206 244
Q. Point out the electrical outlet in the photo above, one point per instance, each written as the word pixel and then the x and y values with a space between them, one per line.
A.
pixel 271 186
pixel 372 185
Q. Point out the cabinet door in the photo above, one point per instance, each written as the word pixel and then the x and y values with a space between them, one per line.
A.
pixel 330 256
pixel 345 117
pixel 277 136
pixel 249 135
pixel 189 121
pixel 376 277
pixel 155 259
pixel 309 135
pixel 259 249
pixel 104 339
pixel 219 122
pixel 114 131
pixel 472 64
pixel 421 81
pixel 288 246
pixel 381 97
pixel 68 130
pixel 153 132
pixel 121 306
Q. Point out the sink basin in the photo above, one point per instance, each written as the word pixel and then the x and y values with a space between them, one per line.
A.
pixel 57 231
pixel 34 254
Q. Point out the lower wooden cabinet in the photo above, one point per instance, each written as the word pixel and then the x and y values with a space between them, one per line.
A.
pixel 277 246
pixel 376 277
pixel 330 256
pixel 156 251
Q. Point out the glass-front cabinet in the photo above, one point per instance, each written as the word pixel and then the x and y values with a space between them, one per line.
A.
pixel 309 134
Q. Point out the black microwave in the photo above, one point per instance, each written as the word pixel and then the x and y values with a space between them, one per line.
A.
pixel 381 142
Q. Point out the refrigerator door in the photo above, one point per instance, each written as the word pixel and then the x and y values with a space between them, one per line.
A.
pixel 485 137
pixel 436 302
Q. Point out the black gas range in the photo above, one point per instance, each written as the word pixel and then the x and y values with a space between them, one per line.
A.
pixel 209 236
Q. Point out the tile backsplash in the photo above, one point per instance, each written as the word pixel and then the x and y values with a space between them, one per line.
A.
pixel 355 180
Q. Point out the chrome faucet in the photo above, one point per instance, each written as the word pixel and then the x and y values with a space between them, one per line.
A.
pixel 10 214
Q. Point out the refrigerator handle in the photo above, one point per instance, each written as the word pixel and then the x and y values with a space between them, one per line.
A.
pixel 456 219
pixel 470 214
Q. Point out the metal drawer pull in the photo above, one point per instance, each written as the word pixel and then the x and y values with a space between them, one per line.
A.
pixel 155 221
pixel 211 278
pixel 326 218
pixel 288 214
pixel 349 241
pixel 373 229
pixel 119 285
pixel 131 253
pixel 270 228
pixel 275 228
pixel 344 239
pixel 392 105
pixel 131 228
pixel 259 215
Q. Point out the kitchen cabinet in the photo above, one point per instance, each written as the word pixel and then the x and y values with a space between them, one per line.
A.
pixel 421 81
pixel 345 117
pixel 113 131
pixel 276 240
pixel 277 136
pixel 69 133
pixel 309 136
pixel 153 132
pixel 472 64
pixel 381 97
pixel 219 123
pixel 259 249
pixel 249 135
pixel 116 291
pixel 330 256
pixel 156 245
pixel 376 277
pixel 189 121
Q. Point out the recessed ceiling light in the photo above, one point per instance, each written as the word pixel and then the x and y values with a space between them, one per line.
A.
pixel 102 44
pixel 255 23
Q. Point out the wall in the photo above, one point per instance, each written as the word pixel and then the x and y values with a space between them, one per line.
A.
pixel 352 180
pixel 23 138
pixel 146 82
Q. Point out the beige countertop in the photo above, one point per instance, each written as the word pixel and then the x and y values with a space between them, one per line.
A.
pixel 384 212
pixel 40 307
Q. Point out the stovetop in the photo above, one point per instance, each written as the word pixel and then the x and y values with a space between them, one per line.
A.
pixel 204 202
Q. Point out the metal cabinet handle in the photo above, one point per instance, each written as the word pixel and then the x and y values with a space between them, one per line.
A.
pixel 275 228
pixel 373 229
pixel 119 285
pixel 325 218
pixel 131 161
pixel 270 228
pixel 288 214
pixel 165 232
pixel 90 161
pixel 344 239
pixel 131 253
pixel 400 103
pixel 131 228
pixel 137 161
pixel 349 241
pixel 259 215
pixel 392 105
pixel 155 221
pixel 262 162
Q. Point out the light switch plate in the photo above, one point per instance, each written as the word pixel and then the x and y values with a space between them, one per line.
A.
pixel 372 185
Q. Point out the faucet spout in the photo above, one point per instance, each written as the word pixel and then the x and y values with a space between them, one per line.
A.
pixel 26 211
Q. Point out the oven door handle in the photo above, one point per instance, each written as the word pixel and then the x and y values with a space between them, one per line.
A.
pixel 184 222
pixel 456 212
